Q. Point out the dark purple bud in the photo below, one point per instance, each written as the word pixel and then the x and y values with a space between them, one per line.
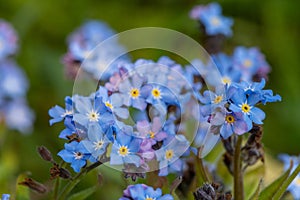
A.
pixel 34 185
pixel 45 153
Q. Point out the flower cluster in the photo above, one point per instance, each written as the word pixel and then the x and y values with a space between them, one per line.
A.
pixel 150 116
pixel 141 191
pixel 294 187
pixel 233 108
pixel 239 88
pixel 129 119
pixel 210 16
pixel 5 197
pixel 13 84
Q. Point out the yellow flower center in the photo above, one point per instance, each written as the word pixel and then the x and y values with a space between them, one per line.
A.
pixel 134 93
pixel 156 93
pixel 218 99
pixel 151 134
pixel 215 21
pixel 246 108
pixel 226 80
pixel 149 198
pixel 93 116
pixel 123 151
pixel 297 181
pixel 229 119
pixel 109 105
pixel 247 63
pixel 169 154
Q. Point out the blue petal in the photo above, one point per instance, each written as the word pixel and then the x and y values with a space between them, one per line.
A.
pixel 257 115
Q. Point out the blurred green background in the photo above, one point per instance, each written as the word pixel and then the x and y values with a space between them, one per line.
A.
pixel 43 26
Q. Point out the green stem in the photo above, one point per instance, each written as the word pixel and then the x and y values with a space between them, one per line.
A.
pixel 56 187
pixel 201 168
pixel 78 177
pixel 237 171
pixel 57 182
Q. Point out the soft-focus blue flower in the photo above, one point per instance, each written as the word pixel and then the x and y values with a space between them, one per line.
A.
pixel 83 47
pixel 225 66
pixel 246 104
pixel 113 103
pixel 96 141
pixel 76 154
pixel 169 155
pixel 125 149
pixel 87 37
pixel 213 20
pixel 58 113
pixel 251 62
pixel 5 197
pixel 144 192
pixel 8 40
pixel 19 116
pixel 13 82
pixel 294 187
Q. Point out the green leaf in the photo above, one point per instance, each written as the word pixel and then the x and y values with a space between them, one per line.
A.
pixel 269 192
pixel 83 194
pixel 256 193
pixel 22 192
pixel 285 185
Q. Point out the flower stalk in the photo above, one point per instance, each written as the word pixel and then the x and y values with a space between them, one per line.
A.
pixel 237 171
pixel 78 177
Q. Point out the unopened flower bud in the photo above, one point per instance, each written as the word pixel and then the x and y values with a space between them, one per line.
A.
pixel 45 153
pixel 34 185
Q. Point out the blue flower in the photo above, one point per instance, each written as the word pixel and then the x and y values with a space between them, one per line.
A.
pixel 58 113
pixel 251 62
pixel 96 141
pixel 169 155
pixel 19 116
pixel 131 93
pixel 125 149
pixel 13 82
pixel 225 66
pixel 246 104
pixel 234 123
pixel 8 40
pixel 5 197
pixel 76 154
pixel 113 103
pixel 92 110
pixel 83 47
pixel 213 100
pixel 257 88
pixel 213 20
pixel 87 37
pixel 159 95
pixel 144 192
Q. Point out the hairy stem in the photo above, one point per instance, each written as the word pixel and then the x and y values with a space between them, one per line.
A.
pixel 78 177
pixel 237 171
